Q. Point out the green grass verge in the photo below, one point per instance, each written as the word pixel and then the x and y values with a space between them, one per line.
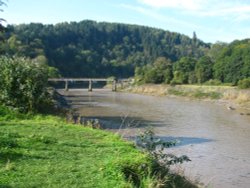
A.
pixel 46 152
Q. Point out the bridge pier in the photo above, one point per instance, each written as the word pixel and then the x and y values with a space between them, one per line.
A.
pixel 66 85
pixel 114 86
pixel 122 84
pixel 90 86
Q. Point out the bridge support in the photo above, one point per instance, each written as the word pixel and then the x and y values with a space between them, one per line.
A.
pixel 90 80
pixel 66 85
pixel 114 87
pixel 122 84
pixel 90 86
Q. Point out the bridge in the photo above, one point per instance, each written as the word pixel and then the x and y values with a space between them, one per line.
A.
pixel 90 81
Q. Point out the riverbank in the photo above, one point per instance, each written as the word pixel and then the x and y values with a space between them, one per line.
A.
pixel 227 95
pixel 45 151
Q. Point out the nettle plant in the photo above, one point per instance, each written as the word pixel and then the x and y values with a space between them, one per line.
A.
pixel 155 147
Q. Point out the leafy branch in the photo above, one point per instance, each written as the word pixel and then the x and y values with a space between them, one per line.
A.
pixel 155 147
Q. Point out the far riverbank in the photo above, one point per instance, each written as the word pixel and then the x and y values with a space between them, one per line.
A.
pixel 231 97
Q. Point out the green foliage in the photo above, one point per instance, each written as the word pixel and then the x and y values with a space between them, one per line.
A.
pixel 203 95
pixel 152 76
pixel 233 62
pixel 204 69
pixel 60 155
pixel 198 93
pixel 23 84
pixel 173 91
pixel 215 50
pixel 11 114
pixel 224 63
pixel 155 147
pixel 111 79
pixel 184 70
pixel 91 49
pixel 8 140
pixel 139 75
pixel 159 72
pixel 213 82
pixel 53 72
pixel 244 84
pixel 162 161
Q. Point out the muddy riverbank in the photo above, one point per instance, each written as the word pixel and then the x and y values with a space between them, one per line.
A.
pixel 215 138
pixel 231 97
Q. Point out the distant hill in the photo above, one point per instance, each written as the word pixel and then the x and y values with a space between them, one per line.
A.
pixel 89 48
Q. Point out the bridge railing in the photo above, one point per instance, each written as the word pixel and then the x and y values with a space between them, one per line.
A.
pixel 90 80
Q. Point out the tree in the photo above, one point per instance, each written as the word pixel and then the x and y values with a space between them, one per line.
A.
pixel 159 72
pixel 204 69
pixel 164 69
pixel 233 62
pixel 91 49
pixel 216 50
pixel 194 38
pixel 184 70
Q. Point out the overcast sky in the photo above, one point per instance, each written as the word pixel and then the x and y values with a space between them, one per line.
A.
pixel 212 20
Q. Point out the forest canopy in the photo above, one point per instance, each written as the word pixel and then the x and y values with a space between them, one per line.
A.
pixel 100 49
pixel 92 49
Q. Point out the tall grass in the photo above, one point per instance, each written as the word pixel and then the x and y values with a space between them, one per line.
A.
pixel 229 93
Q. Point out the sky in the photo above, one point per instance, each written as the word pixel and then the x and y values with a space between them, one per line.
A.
pixel 211 20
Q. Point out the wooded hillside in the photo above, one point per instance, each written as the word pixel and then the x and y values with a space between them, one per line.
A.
pixel 92 49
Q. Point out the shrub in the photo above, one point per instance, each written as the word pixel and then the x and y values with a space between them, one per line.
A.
pixel 11 114
pixel 244 84
pixel 23 84
pixel 155 148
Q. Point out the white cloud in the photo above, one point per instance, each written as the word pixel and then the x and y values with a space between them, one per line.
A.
pixel 159 17
pixel 178 4
pixel 230 9
pixel 213 20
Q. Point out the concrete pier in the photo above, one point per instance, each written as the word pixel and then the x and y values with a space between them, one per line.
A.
pixel 90 85
pixel 66 85
pixel 114 86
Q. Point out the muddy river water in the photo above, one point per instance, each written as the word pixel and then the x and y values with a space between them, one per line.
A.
pixel 216 139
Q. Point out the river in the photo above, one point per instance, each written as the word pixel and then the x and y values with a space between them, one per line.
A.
pixel 216 139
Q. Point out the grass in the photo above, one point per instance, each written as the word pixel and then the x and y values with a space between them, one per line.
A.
pixel 198 94
pixel 46 152
pixel 228 93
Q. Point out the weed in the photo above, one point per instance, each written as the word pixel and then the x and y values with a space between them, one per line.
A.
pixel 162 160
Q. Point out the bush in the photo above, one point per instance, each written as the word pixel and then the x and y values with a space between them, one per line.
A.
pixel 23 84
pixel 213 82
pixel 11 114
pixel 155 148
pixel 244 84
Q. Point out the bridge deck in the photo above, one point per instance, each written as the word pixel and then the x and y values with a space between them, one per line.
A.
pixel 84 79
pixel 79 79
pixel 90 81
